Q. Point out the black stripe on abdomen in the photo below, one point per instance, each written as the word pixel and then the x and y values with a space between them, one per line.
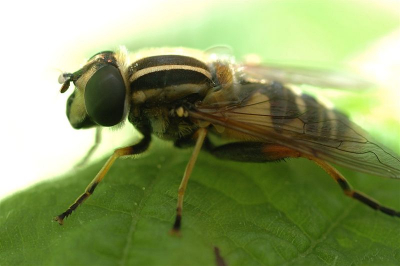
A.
pixel 283 108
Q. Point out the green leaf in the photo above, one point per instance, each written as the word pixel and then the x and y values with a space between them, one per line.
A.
pixel 254 214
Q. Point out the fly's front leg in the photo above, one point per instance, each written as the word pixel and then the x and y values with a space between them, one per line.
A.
pixel 131 150
pixel 94 147
pixel 200 134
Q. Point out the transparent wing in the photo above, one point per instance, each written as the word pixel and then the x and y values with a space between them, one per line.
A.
pixel 309 76
pixel 273 113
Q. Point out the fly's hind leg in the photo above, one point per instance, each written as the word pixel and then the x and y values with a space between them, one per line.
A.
pixel 251 152
pixel 349 191
pixel 131 150
pixel 265 152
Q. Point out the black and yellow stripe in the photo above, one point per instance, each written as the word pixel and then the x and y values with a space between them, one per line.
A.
pixel 157 72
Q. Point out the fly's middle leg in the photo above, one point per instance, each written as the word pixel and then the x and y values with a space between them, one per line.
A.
pixel 201 135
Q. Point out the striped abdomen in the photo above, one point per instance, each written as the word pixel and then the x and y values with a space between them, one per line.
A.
pixel 166 78
pixel 280 109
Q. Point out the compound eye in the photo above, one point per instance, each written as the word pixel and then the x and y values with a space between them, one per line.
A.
pixel 105 96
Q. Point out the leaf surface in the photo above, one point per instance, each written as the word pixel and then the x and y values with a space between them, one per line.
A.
pixel 254 214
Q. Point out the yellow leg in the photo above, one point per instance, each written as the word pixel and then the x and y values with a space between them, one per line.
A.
pixel 94 147
pixel 201 134
pixel 135 149
pixel 349 191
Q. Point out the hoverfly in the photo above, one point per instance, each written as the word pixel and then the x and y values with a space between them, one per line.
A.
pixel 186 96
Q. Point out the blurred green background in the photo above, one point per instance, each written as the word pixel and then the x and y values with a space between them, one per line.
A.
pixel 307 31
